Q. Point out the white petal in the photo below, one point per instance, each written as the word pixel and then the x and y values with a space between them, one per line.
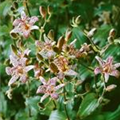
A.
pixel 8 70
pixel 35 27
pixel 116 65
pixel 44 97
pixel 106 77
pixel 28 68
pixel 27 51
pixel 13 79
pixel 101 62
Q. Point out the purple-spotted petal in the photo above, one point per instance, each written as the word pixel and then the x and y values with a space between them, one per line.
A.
pixel 54 95
pixel 97 70
pixel 43 80
pixel 52 81
pixel 109 60
pixel 115 73
pixel 116 65
pixel 33 20
pixel 106 75
pixel 59 86
pixel 28 68
pixel 70 73
pixel 24 78
pixel 13 79
pixel 26 33
pixel 23 16
pixel 16 22
pixel 41 89
pixel 8 70
pixel 13 60
pixel 44 97
pixel 101 62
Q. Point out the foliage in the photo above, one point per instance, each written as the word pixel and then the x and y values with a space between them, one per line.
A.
pixel 59 60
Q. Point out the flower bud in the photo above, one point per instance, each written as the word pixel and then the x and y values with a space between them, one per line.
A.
pixel 54 68
pixel 68 35
pixel 110 39
pixel 15 5
pixel 91 32
pixel 78 19
pixel 112 33
pixel 14 35
pixel 111 87
pixel 87 87
pixel 14 49
pixel 39 57
pixel 42 11
pixel 60 43
pixel 51 35
pixel 49 10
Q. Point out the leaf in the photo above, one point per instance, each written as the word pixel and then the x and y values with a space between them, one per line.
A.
pixel 88 105
pixel 114 115
pixel 57 115
pixel 32 103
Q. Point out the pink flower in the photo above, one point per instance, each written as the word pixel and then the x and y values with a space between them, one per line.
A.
pixel 46 48
pixel 24 25
pixel 19 69
pixel 49 88
pixel 107 68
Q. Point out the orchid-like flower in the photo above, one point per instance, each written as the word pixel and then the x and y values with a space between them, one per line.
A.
pixel 24 25
pixel 62 64
pixel 19 69
pixel 46 47
pixel 49 88
pixel 107 68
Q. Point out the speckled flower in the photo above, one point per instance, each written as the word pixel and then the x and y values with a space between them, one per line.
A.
pixel 46 48
pixel 24 25
pixel 19 69
pixel 107 68
pixel 49 88
pixel 63 66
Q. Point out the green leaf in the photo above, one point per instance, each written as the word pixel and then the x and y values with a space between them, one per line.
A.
pixel 32 103
pixel 57 115
pixel 114 115
pixel 88 105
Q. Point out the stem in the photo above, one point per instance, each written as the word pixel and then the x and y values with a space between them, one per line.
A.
pixel 26 4
pixel 86 66
pixel 54 104
pixel 65 106
pixel 43 26
pixel 95 84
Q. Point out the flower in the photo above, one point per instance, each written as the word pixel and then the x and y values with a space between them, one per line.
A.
pixel 19 69
pixel 46 48
pixel 107 68
pixel 24 25
pixel 49 88
pixel 63 66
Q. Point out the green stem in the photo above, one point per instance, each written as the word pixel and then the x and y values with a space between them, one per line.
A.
pixel 86 66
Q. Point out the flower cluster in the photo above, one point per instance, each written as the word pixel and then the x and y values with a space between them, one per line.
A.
pixel 56 61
